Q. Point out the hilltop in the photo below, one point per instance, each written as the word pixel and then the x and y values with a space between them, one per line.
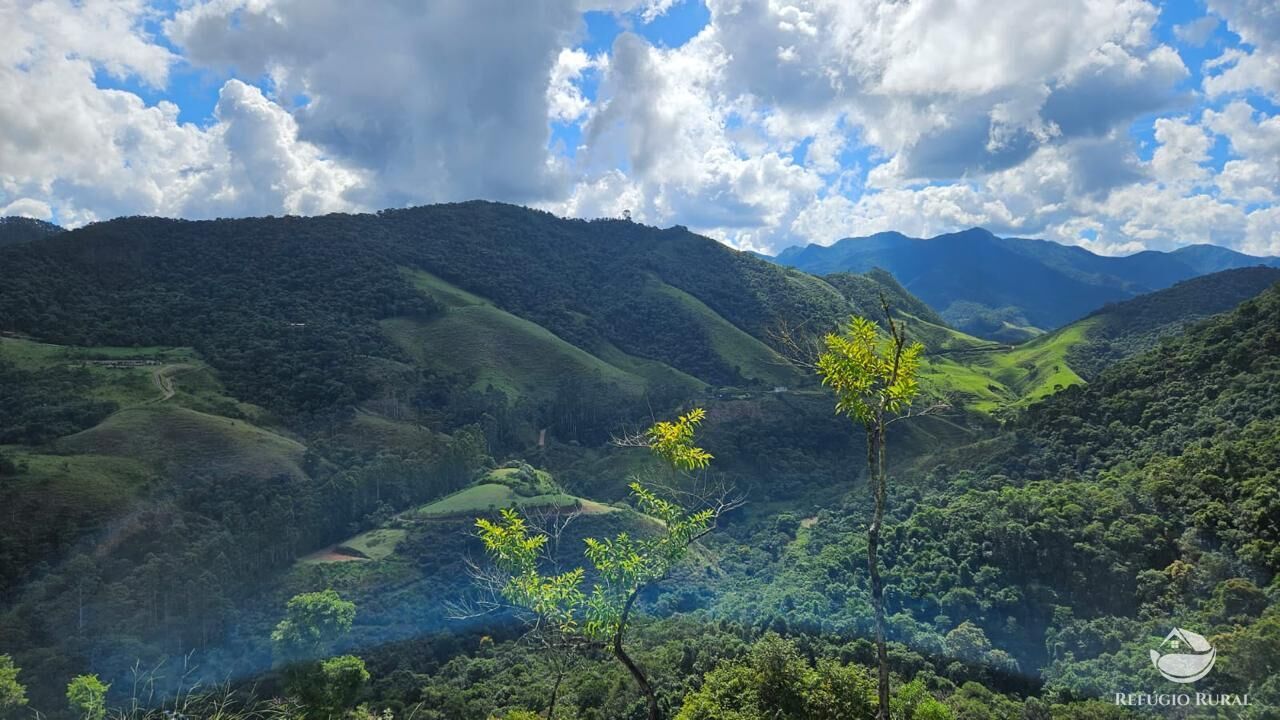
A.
pixel 17 230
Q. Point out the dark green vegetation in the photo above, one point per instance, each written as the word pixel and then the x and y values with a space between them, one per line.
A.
pixel 202 421
pixel 1127 328
pixel 18 230
pixel 1011 289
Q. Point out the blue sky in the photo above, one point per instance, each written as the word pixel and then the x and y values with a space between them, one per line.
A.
pixel 1117 126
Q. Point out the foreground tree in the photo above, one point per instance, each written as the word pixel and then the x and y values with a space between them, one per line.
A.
pixel 87 696
pixel 874 380
pixel 776 682
pixel 13 694
pixel 622 566
pixel 313 625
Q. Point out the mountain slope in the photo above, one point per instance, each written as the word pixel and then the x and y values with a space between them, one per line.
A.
pixel 1004 288
pixel 284 307
pixel 1127 328
pixel 18 230
pixel 990 377
pixel 1100 517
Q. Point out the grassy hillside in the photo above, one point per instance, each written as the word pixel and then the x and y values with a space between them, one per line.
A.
pixel 990 377
pixel 176 441
pixel 497 349
pixel 508 487
pixel 749 356
pixel 987 377
pixel 1125 329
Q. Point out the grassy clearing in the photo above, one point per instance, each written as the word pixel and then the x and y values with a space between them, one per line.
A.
pixel 175 440
pixel 487 497
pixel 442 291
pixel 1039 368
pixel 375 544
pixel 374 431
pixel 30 354
pixel 501 350
pixel 52 491
pixel 90 482
pixel 195 385
pixel 656 373
pixel 987 377
pixel 123 386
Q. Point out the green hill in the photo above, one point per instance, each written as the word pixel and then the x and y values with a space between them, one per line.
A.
pixel 176 441
pixel 497 349
pixel 509 487
pixel 1125 329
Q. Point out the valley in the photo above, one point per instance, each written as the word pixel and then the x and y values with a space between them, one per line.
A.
pixel 201 420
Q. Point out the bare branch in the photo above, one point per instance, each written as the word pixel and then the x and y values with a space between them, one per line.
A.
pixel 796 344
pixel 552 521
pixel 631 439
pixel 941 407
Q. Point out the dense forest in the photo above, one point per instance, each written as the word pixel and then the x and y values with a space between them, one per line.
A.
pixel 244 460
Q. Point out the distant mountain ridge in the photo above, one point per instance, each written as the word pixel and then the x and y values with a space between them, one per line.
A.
pixel 1006 288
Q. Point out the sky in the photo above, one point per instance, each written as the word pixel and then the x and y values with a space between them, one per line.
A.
pixel 1117 125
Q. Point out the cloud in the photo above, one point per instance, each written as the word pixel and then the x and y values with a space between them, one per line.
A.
pixel 1257 22
pixel 1262 235
pixel 28 207
pixel 778 122
pixel 1254 139
pixel 1197 32
pixel 1184 148
pixel 919 212
pixel 89 153
pixel 442 101
pixel 565 101
pixel 1115 87
pixel 266 168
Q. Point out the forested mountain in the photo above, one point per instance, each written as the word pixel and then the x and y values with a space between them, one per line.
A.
pixel 256 296
pixel 1127 328
pixel 16 230
pixel 1007 288
pixel 200 420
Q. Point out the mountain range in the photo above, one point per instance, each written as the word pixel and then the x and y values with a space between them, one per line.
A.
pixel 199 419
pixel 1012 288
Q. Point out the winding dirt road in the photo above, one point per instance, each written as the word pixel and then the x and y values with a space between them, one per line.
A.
pixel 163 377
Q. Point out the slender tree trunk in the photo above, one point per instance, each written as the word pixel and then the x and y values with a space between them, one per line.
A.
pixel 876 477
pixel 650 698
pixel 555 693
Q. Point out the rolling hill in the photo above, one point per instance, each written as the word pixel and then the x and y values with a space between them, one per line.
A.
pixel 1008 289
